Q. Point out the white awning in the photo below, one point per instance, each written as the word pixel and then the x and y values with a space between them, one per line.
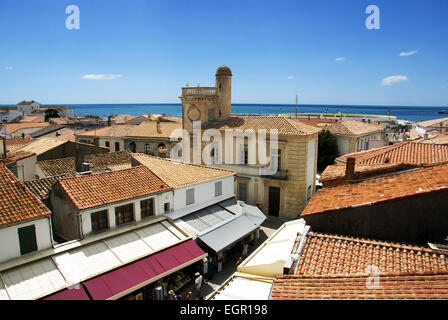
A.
pixel 47 275
pixel 239 288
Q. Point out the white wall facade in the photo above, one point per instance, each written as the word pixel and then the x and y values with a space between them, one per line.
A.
pixel 26 168
pixel 310 168
pixel 112 141
pixel 343 144
pixel 9 238
pixel 27 109
pixel 203 192
pixel 159 201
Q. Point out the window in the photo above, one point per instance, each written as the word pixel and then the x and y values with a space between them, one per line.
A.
pixel 211 114
pixel 243 191
pixel 279 159
pixel 243 155
pixel 27 239
pixel 190 196
pixel 218 188
pixel 366 144
pixel 166 207
pixel 99 221
pixel 124 214
pixel 117 146
pixel 359 145
pixel 147 149
pixel 107 144
pixel 308 193
pixel 147 207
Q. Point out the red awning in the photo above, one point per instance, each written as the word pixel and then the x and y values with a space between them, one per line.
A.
pixel 125 278
pixel 75 293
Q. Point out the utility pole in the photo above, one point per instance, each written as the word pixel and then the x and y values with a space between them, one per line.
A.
pixel 296 103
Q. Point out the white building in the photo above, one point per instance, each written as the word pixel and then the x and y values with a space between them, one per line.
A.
pixel 94 203
pixel 25 224
pixel 204 203
pixel 28 107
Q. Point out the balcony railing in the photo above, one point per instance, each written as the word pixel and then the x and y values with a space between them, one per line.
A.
pixel 199 91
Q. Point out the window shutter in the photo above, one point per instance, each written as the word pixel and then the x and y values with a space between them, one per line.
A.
pixel 27 239
pixel 242 160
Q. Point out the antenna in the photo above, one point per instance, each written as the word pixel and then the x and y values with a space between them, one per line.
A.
pixel 296 103
pixel 188 84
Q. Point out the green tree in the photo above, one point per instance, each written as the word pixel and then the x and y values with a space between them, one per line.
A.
pixel 51 113
pixel 327 149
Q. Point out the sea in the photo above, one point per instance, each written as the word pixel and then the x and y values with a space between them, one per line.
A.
pixel 408 113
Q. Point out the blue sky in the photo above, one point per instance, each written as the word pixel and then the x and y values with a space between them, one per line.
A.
pixel 152 48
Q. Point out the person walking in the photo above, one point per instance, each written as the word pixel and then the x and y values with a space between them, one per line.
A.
pixel 198 284
pixel 245 250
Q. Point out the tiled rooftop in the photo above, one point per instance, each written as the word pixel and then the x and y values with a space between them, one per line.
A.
pixel 15 156
pixel 13 127
pixel 149 129
pixel 390 287
pixel 42 145
pixel 116 131
pixel 434 123
pixel 101 161
pixel 285 126
pixel 17 203
pixel 19 141
pixel 32 119
pixel 353 127
pixel 94 190
pixel 178 174
pixel 336 173
pixel 406 153
pixel 334 255
pixel 41 187
pixel 391 187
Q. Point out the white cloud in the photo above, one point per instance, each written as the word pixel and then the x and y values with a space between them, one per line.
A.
pixel 8 68
pixel 102 76
pixel 291 77
pixel 340 59
pixel 393 79
pixel 443 87
pixel 409 53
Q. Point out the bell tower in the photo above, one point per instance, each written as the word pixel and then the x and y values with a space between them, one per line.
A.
pixel 223 90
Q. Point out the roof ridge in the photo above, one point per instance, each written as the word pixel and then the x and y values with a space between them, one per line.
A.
pixel 397 245
pixel 426 273
pixel 182 162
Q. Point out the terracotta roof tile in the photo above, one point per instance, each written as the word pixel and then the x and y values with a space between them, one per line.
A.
pixel 389 287
pixel 178 174
pixel 334 255
pixel 101 161
pixel 406 153
pixel 117 131
pixel 285 126
pixel 13 127
pixel 149 129
pixel 354 128
pixel 394 186
pixel 32 119
pixel 42 187
pixel 434 123
pixel 94 190
pixel 17 203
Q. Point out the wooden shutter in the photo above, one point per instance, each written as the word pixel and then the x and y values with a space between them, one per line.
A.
pixel 27 239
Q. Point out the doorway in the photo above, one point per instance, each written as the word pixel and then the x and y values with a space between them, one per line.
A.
pixel 274 201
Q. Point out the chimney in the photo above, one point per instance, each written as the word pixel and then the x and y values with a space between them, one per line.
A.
pixel 425 136
pixel 109 120
pixel 350 170
pixel 159 130
pixel 79 160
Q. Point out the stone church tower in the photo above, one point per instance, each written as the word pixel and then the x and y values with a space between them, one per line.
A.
pixel 208 104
